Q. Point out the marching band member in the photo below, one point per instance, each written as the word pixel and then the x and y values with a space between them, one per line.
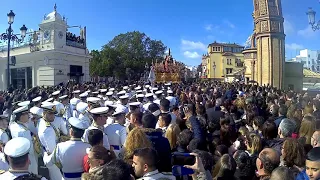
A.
pixel 150 100
pixel 82 109
pixel 37 101
pixel 83 96
pixel 73 105
pixel 19 128
pixel 93 102
pixel 116 132
pixel 4 138
pixel 67 109
pixel 159 96
pixel 99 116
pixel 49 136
pixel 18 154
pixel 68 156
pixel 124 102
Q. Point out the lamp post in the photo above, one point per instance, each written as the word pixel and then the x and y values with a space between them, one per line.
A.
pixel 312 19
pixel 214 70
pixel 9 36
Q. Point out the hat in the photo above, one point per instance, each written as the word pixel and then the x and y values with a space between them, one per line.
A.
pixel 111 89
pixel 24 103
pixel 85 94
pixel 76 92
pixel 75 122
pixel 109 93
pixel 36 99
pixel 125 87
pixel 159 92
pixel 103 90
pixel 110 104
pixel 48 100
pixel 96 92
pixel 100 110
pixel 49 107
pixel 140 96
pixel 124 97
pixel 168 84
pixel 147 86
pixel 59 107
pixel 74 101
pixel 17 147
pixel 88 91
pixel 81 107
pixel 93 100
pixel 149 95
pixel 119 110
pixel 137 88
pixel 170 92
pixel 55 93
pixel 63 97
pixel 121 93
pixel 139 91
pixel 154 89
pixel 134 104
pixel 21 110
pixel 37 111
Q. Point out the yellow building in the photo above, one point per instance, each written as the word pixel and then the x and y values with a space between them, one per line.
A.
pixel 223 60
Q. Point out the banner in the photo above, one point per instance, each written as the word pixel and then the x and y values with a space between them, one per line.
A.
pixel 152 76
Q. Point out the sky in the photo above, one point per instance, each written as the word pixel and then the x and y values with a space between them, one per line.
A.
pixel 185 26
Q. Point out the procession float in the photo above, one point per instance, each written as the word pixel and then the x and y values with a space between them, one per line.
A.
pixel 168 70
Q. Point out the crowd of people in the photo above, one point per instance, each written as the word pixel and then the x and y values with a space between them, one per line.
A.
pixel 126 131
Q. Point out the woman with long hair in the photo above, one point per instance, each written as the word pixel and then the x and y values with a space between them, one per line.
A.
pixel 307 128
pixel 172 134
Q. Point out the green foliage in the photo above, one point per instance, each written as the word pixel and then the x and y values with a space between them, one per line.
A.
pixel 130 50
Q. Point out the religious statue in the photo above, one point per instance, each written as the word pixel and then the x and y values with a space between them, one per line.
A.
pixel 35 37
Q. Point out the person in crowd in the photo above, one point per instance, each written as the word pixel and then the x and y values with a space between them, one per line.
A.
pixel 117 169
pixel 245 168
pixel 68 156
pixel 282 173
pixel 95 138
pixel 145 165
pixel 315 139
pixel 313 164
pixel 307 128
pixel 19 128
pixel 258 124
pixel 164 122
pixel 172 134
pixel 17 154
pixel 225 168
pixel 282 114
pixel 266 162
pixel 99 156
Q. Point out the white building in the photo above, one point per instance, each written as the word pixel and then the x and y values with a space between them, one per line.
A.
pixel 48 57
pixel 309 59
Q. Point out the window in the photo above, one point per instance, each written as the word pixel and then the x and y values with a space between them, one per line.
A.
pixel 308 55
pixel 219 49
pixel 229 61
pixel 228 70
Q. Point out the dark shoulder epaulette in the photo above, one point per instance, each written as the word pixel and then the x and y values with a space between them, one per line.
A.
pixel 29 176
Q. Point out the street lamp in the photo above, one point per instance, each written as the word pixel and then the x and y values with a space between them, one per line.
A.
pixel 8 36
pixel 214 70
pixel 312 19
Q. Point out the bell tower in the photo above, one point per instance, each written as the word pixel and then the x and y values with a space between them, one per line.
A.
pixel 270 42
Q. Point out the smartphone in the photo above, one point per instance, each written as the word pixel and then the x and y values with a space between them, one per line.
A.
pixel 182 159
pixel 181 171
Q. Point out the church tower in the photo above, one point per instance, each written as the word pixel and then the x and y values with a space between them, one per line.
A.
pixel 270 42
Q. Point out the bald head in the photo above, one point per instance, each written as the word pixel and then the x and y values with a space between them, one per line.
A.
pixel 315 139
pixel 268 160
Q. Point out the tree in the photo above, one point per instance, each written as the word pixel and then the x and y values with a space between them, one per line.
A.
pixel 130 50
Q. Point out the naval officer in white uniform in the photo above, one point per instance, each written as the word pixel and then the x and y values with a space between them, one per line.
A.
pixel 19 128
pixel 17 151
pixel 68 156
pixel 99 116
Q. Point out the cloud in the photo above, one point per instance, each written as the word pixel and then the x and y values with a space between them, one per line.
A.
pixel 307 32
pixel 191 45
pixel 167 51
pixel 288 27
pixel 294 46
pixel 229 24
pixel 192 55
pixel 208 27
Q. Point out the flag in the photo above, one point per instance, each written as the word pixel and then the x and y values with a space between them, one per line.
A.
pixel 152 76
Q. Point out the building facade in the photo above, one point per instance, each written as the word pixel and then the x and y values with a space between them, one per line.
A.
pixel 47 57
pixel 223 59
pixel 309 58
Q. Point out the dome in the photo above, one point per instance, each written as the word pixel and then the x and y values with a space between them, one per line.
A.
pixel 54 16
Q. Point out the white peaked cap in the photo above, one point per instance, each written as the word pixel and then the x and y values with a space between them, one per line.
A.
pixel 120 110
pixel 20 109
pixel 23 103
pixel 100 110
pixel 140 96
pixel 103 90
pixel 55 93
pixel 109 93
pixel 85 94
pixel 17 147
pixel 134 104
pixel 37 111
pixel 124 97
pixel 93 100
pixel 149 95
pixel 75 122
pixel 74 101
pixel 81 107
pixel 36 99
pixel 159 92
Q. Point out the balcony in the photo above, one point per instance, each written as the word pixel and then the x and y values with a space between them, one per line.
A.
pixel 75 41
